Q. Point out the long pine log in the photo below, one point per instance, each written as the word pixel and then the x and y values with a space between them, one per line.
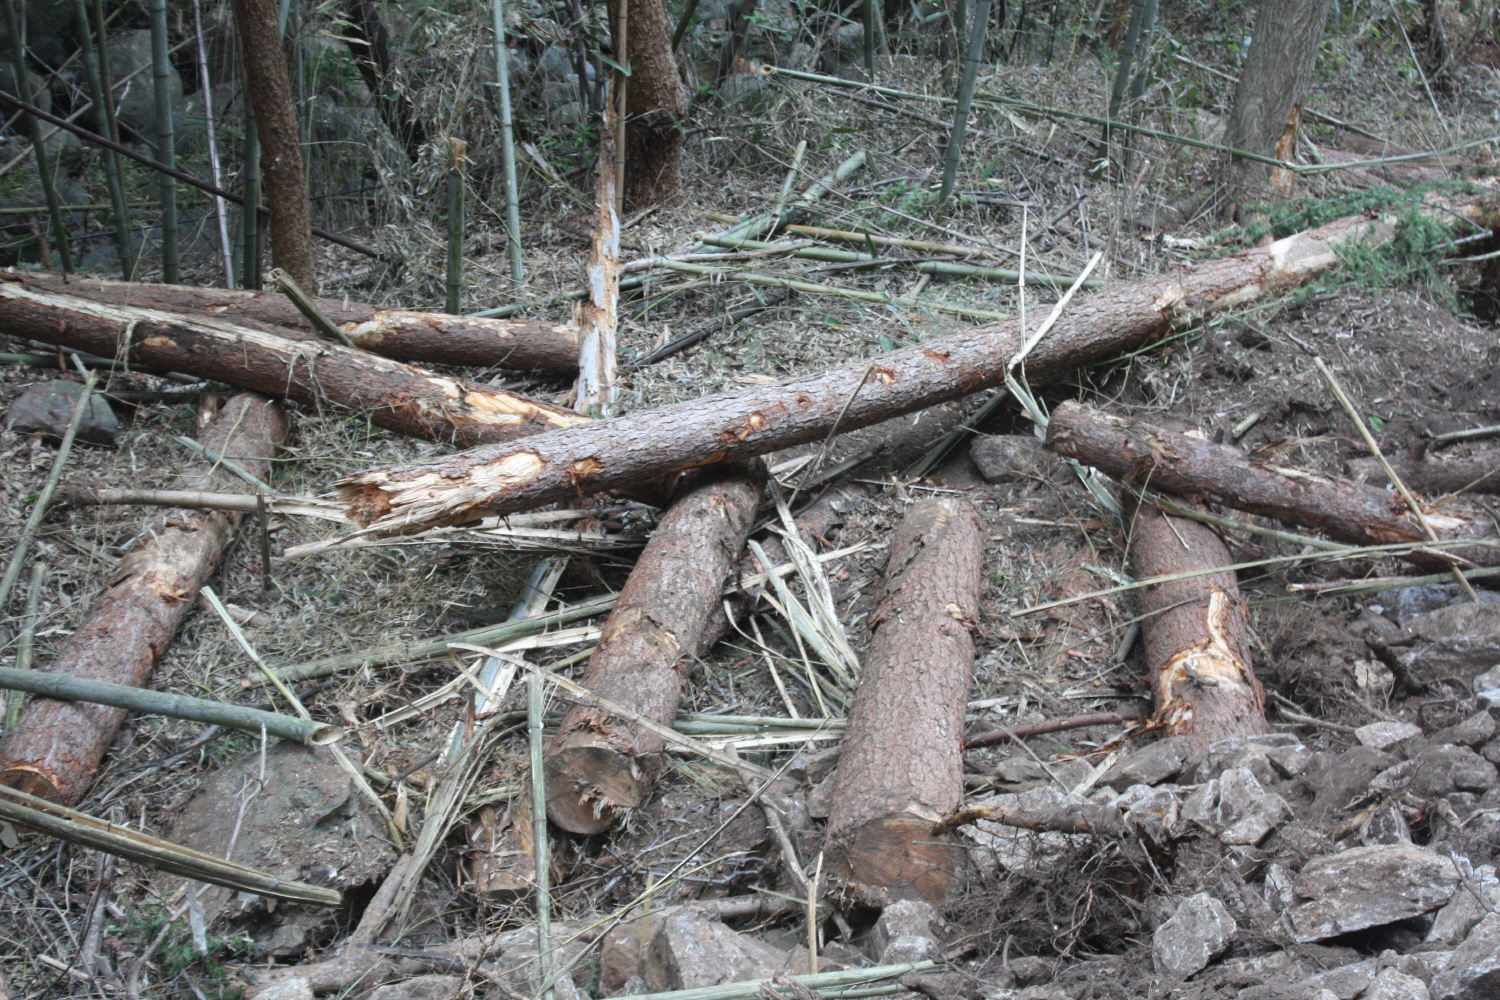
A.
pixel 1435 475
pixel 56 746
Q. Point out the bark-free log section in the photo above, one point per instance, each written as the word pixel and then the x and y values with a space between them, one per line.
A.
pixel 1142 455
pixel 901 769
pixel 597 765
pixel 1195 632
pixel 1435 475
pixel 425 338
pixel 630 449
pixel 56 747
pixel 393 395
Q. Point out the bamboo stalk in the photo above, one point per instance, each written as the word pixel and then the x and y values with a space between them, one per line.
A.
pixel 166 138
pixel 786 185
pixel 684 22
pixel 78 828
pixel 457 149
pixel 822 980
pixel 25 641
pixel 868 15
pixel 220 212
pixel 539 843
pixel 513 249
pixel 93 75
pixel 174 706
pixel 309 308
pixel 977 32
pixel 95 363
pixel 38 145
pixel 249 219
pixel 247 503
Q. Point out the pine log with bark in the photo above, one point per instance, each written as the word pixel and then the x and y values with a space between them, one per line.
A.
pixel 1142 455
pixel 393 395
pixel 1195 632
pixel 56 747
pixel 1436 475
pixel 599 766
pixel 901 769
pixel 421 337
pixel 655 103
pixel 269 86
pixel 639 446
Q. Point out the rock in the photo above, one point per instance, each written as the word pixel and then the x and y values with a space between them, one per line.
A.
pixel 1252 752
pixel 1487 688
pixel 136 99
pixel 1462 640
pixel 1367 887
pixel 1290 761
pixel 1473 972
pixel 291 988
pixel 1475 731
pixel 1384 735
pixel 1151 765
pixel 1409 602
pixel 1246 812
pixel 1009 458
pixel 1198 933
pixel 1345 981
pixel 1437 771
pixel 620 953
pixel 1339 779
pixel 431 987
pixel 1393 985
pixel 47 407
pixel 904 933
pixel 690 951
pixel 944 985
pixel 1453 922
pixel 1152 811
pixel 1032 970
pixel 518 966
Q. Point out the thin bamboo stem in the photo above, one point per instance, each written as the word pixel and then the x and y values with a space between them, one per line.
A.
pixel 786 185
pixel 25 642
pixel 38 145
pixel 309 309
pixel 867 12
pixel 457 150
pixel 965 98
pixel 513 249
pixel 166 139
pixel 539 843
pixel 220 212
pixel 684 22
pixel 247 503
pixel 93 361
pixel 94 76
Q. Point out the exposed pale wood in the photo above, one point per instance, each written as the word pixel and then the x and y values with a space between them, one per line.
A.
pixel 599 316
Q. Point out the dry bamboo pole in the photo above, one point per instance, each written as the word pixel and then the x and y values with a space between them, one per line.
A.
pixel 535 689
pixel 166 138
pixel 245 503
pixel 513 249
pixel 977 32
pixel 308 307
pixel 93 74
pixel 38 145
pixel 600 317
pixel 457 153
pixel 221 214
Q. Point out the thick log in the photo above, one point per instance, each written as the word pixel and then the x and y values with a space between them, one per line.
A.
pixel 1437 475
pixel 1195 632
pixel 56 747
pixel 1140 454
pixel 400 397
pixel 901 770
pixel 635 447
pixel 599 766
pixel 405 335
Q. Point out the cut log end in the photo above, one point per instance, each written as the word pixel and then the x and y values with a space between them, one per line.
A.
pixel 589 787
pixel 34 780
pixel 897 857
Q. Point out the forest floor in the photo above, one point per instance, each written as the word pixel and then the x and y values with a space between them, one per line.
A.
pixel 1411 337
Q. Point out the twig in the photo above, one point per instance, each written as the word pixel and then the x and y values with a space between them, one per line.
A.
pixel 682 343
pixel 309 309
pixel 1053 726
pixel 977 30
pixel 247 503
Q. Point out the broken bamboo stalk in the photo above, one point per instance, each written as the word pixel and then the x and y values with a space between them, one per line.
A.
pixel 56 747
pixel 245 503
pixel 1477 472
pixel 405 335
pixel 1138 453
pixel 399 397
pixel 552 467
pixel 901 769
pixel 599 766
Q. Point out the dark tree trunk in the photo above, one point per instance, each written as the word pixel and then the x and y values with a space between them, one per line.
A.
pixel 56 747
pixel 370 45
pixel 655 102
pixel 283 177
pixel 1278 70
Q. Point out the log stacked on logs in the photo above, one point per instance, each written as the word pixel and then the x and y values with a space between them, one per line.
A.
pixel 405 335
pixel 901 769
pixel 599 766
pixel 56 747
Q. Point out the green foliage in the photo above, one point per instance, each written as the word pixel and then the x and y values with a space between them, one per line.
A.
pixel 175 954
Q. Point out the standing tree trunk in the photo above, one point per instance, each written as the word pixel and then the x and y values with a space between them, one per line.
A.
pixel 280 142
pixel 1277 73
pixel 655 101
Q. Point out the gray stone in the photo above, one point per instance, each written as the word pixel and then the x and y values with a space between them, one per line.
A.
pixel 1151 765
pixel 1009 458
pixel 1453 922
pixel 1436 771
pixel 432 987
pixel 1198 933
pixel 1246 812
pixel 1473 972
pixel 1290 761
pixel 1393 985
pixel 47 407
pixel 135 105
pixel 1338 780
pixel 1020 771
pixel 1475 731
pixel 1367 887
pixel 1151 811
pixel 1032 970
pixel 1384 735
pixel 1458 641
pixel 1252 752
pixel 1408 602
pixel 904 933
pixel 518 967
pixel 1344 981
pixel 1487 688
pixel 689 951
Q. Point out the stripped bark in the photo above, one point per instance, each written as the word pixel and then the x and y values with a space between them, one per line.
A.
pixel 599 316
pixel 598 766
pixel 422 337
pixel 1195 632
pixel 901 769
pixel 56 748
pixel 1140 454
pixel 1434 475
pixel 396 396
pixel 635 447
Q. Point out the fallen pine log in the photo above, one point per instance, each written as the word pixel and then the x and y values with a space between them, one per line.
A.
pixel 1477 472
pixel 598 766
pixel 56 746
pixel 638 446
pixel 1138 454
pixel 393 395
pixel 405 335
pixel 901 769
pixel 1195 632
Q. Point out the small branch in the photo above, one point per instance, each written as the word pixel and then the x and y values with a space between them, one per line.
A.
pixel 308 308
pixel 1053 726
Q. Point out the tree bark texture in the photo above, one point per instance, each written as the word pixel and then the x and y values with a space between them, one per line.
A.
pixel 1435 475
pixel 638 446
pixel 1195 632
pixel 655 102
pixel 56 747
pixel 901 769
pixel 393 395
pixel 598 766
pixel 421 337
pixel 370 45
pixel 1144 456
pixel 283 177
pixel 1278 70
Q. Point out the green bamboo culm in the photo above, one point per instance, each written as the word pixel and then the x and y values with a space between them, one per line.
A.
pixel 25 642
pixel 513 249
pixel 1142 24
pixel 457 150
pixel 166 139
pixel 112 127
pixel 39 148
pixel 977 29
pixel 94 77
pixel 249 218
pixel 869 18
pixel 684 22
